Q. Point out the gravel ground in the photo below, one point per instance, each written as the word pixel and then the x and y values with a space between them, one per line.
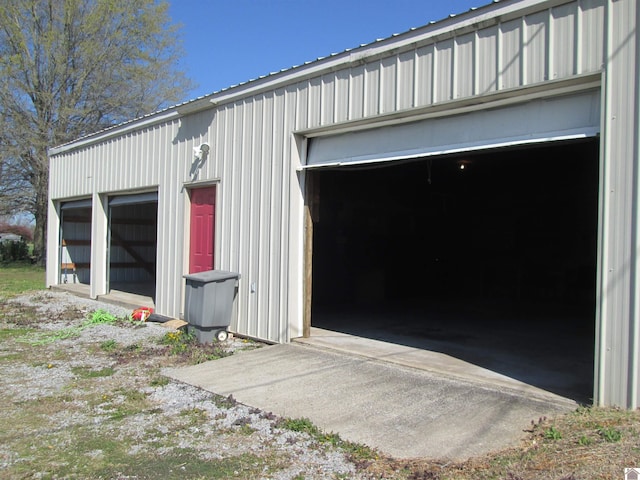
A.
pixel 225 429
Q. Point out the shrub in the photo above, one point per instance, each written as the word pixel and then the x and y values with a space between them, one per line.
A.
pixel 14 251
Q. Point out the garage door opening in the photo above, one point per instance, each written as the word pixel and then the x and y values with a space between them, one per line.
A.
pixel 489 257
pixel 133 226
pixel 75 243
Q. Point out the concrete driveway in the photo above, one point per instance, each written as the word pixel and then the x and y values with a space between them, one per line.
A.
pixel 397 407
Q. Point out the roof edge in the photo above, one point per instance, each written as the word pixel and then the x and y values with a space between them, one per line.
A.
pixel 451 26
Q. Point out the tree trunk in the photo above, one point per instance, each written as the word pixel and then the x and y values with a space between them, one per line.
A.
pixel 40 214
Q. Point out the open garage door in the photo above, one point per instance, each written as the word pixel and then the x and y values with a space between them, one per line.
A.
pixel 558 118
pixel 75 242
pixel 133 226
pixel 489 257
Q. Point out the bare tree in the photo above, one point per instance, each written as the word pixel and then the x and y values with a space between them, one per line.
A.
pixel 69 68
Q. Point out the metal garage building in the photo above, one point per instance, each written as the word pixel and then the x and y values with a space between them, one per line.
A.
pixel 481 167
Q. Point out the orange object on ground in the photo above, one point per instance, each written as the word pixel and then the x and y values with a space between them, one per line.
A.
pixel 142 313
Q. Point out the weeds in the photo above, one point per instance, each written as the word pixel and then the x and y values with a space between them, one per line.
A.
pixel 224 402
pixel 159 382
pixel 98 317
pixel 182 343
pixel 179 342
pixel 360 454
pixel 610 434
pixel 109 346
pixel 552 433
pixel 585 441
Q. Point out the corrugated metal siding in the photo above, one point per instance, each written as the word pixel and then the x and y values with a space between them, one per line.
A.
pixel 251 144
pixel 616 354
pixel 536 28
pixel 515 53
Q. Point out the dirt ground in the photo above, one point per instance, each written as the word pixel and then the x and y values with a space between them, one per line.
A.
pixel 83 397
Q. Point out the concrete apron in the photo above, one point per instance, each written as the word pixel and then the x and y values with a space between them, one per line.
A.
pixel 402 411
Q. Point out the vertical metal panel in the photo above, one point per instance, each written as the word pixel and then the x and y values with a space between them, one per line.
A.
pixel 424 75
pixel 536 27
pixel 510 65
pixel 443 71
pixel 342 96
pixel 303 106
pixel 563 43
pixel 406 79
pixel 591 40
pixel 252 274
pixel 372 89
pixel 487 61
pixel 264 221
pixel 356 93
pixel 616 354
pixel 315 103
pixel 170 220
pixel 233 183
pixel 225 170
pixel 465 69
pixel 243 177
pixel 277 277
pixel 328 99
pixel 388 88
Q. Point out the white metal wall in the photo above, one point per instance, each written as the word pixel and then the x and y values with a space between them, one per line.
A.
pixel 617 364
pixel 500 48
pixel 251 140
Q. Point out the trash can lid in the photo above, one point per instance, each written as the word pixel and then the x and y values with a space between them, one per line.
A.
pixel 212 276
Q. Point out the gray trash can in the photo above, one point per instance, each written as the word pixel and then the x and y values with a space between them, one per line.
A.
pixel 208 304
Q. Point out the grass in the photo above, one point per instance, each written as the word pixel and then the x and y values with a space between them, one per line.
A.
pixel 97 317
pixel 19 278
pixel 89 372
pixel 359 454
pixel 589 443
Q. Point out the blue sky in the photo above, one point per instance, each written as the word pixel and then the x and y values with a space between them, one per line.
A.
pixel 228 42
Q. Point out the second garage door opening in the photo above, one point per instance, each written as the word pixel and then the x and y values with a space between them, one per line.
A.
pixel 488 257
pixel 133 223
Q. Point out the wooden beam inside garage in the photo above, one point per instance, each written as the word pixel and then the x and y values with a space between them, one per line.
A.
pixel 311 211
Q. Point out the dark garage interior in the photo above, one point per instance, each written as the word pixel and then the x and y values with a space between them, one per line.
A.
pixel 133 248
pixel 488 257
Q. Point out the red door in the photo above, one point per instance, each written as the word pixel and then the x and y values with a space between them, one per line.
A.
pixel 203 216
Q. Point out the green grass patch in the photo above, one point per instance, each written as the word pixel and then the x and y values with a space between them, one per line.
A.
pixel 89 372
pixel 109 346
pixel 357 452
pixel 127 402
pixel 91 454
pixel 159 382
pixel 8 333
pixel 552 433
pixel 610 434
pixel 97 317
pixel 17 278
